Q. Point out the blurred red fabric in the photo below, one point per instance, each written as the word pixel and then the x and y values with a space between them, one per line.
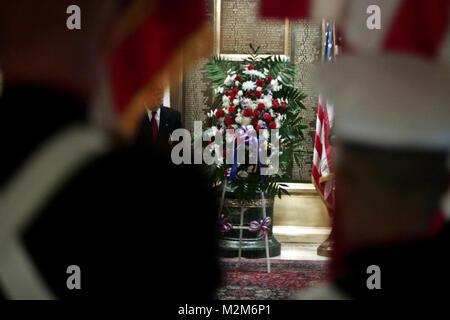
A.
pixel 419 27
pixel 292 9
pixel 150 47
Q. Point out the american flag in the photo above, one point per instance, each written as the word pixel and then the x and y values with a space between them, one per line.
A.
pixel 322 169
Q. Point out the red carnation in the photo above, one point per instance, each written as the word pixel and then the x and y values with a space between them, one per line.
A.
pixel 257 113
pixel 283 105
pixel 220 113
pixel 228 121
pixel 254 122
pixel 260 83
pixel 231 109
pixel 238 78
pixel 257 128
pixel 261 106
pixel 248 112
pixel 258 93
pixel 227 92
pixel 275 104
pixel 269 79
pixel 231 98
pixel 234 91
pixel 272 125
pixel 250 95
pixel 267 117
pixel 250 67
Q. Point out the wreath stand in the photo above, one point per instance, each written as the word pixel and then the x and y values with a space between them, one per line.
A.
pixel 255 226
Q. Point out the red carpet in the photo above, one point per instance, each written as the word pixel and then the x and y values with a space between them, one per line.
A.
pixel 250 280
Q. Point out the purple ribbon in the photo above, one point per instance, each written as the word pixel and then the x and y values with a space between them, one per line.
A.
pixel 244 139
pixel 223 225
pixel 262 227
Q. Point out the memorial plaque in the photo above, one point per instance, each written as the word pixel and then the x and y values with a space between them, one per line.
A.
pixel 197 95
pixel 240 25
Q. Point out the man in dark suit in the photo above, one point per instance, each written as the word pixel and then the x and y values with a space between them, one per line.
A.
pixel 157 127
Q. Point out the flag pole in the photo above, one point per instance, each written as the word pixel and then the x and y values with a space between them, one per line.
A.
pixel 326 247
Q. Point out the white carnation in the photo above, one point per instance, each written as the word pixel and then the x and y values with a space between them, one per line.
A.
pixel 225 99
pixel 267 102
pixel 254 72
pixel 275 85
pixel 245 121
pixel 248 85
pixel 218 90
pixel 229 80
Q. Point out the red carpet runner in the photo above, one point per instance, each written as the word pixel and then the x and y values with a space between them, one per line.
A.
pixel 250 280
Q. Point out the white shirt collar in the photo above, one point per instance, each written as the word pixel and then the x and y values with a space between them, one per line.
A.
pixel 157 116
pixel 158 112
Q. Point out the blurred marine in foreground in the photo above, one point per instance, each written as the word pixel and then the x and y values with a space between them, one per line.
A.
pixel 390 89
pixel 71 198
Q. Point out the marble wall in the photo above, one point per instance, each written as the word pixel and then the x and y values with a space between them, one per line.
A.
pixel 306 38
